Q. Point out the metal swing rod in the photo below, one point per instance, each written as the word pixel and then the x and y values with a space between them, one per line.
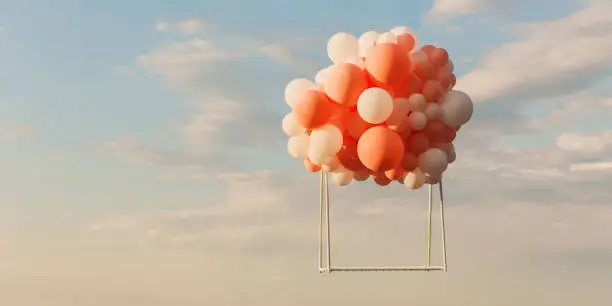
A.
pixel 325 236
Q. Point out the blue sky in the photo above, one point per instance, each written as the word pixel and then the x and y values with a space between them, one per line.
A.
pixel 141 142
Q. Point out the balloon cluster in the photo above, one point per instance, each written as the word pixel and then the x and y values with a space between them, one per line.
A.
pixel 384 109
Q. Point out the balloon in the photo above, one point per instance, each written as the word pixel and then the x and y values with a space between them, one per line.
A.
pixel 433 111
pixel 381 179
pixel 361 176
pixel 344 83
pixel 355 125
pixel 324 143
pixel 401 107
pixel 388 65
pixel 348 155
pixel 332 164
pixel 414 179
pixel 321 76
pixel 417 102
pixel 432 180
pixel 291 127
pixel 451 154
pixel 417 143
pixel 357 62
pixel 449 67
pixel 342 46
pixel 418 57
pixel 380 148
pixel 375 105
pixel 298 146
pixel 310 166
pixel 432 90
pixel 433 162
pixel 409 162
pixel 438 57
pixel 386 38
pixel 417 121
pixel 342 178
pixel 425 70
pixel 435 130
pixel 295 89
pixel 313 109
pixel 457 108
pixel 406 41
pixel 413 85
pixel 395 173
pixel 428 48
pixel 367 41
pixel 402 33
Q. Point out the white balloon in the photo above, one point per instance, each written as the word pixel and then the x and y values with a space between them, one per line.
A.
pixel 406 30
pixel 386 38
pixel 332 164
pixel 417 121
pixel 291 127
pixel 366 42
pixel 433 111
pixel 401 107
pixel 325 141
pixel 375 105
pixel 357 62
pixel 451 154
pixel 433 162
pixel 342 178
pixel 457 108
pixel 417 102
pixel 342 46
pixel 295 89
pixel 321 76
pixel 298 146
pixel 414 179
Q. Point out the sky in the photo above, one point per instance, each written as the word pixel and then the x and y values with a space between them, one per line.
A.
pixel 142 160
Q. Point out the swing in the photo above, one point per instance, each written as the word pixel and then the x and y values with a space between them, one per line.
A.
pixel 325 237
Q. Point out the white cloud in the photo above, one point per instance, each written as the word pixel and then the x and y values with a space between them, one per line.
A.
pixel 186 27
pixel 585 143
pixel 18 132
pixel 445 9
pixel 551 57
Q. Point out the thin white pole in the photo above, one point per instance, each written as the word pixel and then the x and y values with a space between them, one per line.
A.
pixel 321 223
pixel 442 230
pixel 429 226
pixel 327 222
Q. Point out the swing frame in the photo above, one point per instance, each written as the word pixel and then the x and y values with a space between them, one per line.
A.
pixel 325 236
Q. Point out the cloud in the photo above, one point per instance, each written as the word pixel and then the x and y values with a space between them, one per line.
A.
pixel 444 10
pixel 186 27
pixel 18 132
pixel 598 143
pixel 542 63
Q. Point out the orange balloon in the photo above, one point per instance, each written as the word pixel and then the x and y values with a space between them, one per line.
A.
pixel 425 70
pixel 388 65
pixel 381 179
pixel 395 173
pixel 355 125
pixel 406 41
pixel 432 90
pixel 380 148
pixel 409 162
pixel 348 155
pixel 313 109
pixel 344 83
pixel 417 143
pixel 310 166
pixel 438 57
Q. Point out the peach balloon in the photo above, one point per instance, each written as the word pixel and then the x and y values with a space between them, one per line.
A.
pixel 432 90
pixel 310 166
pixel 428 48
pixel 425 70
pixel 313 109
pixel 413 85
pixel 344 83
pixel 438 57
pixel 388 64
pixel 435 130
pixel 406 41
pixel 380 148
pixel 417 143
pixel 355 125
